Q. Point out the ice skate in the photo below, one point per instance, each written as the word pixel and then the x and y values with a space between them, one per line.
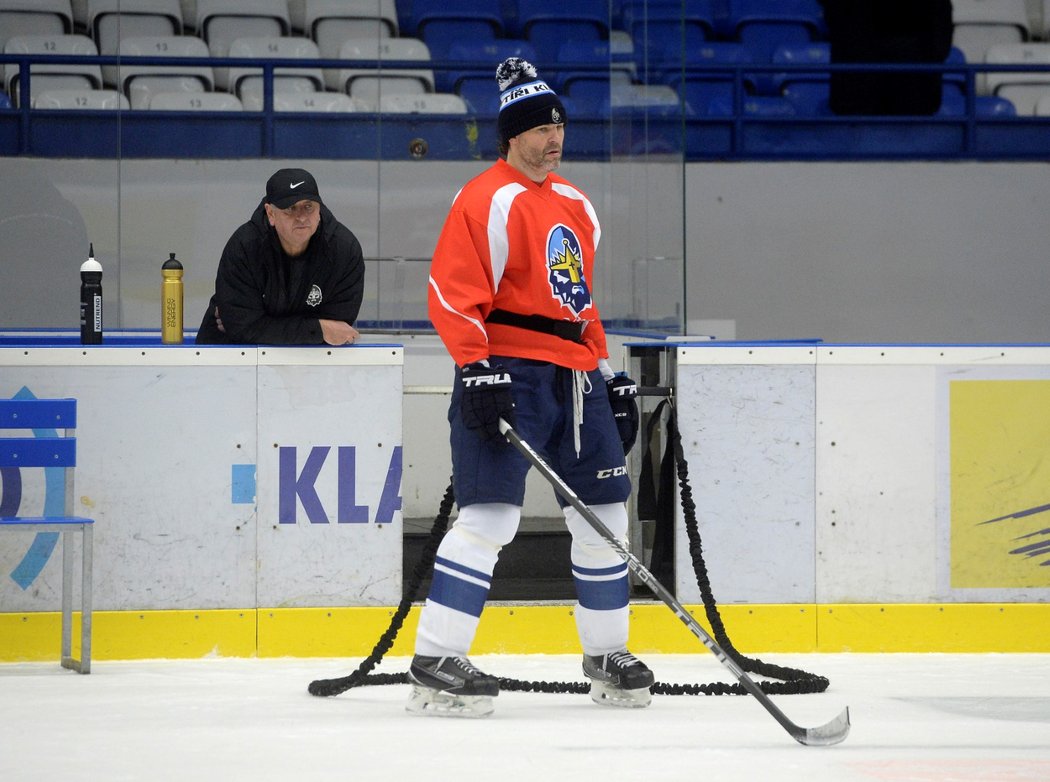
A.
pixel 618 679
pixel 450 687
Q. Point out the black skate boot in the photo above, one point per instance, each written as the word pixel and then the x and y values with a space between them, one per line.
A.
pixel 450 687
pixel 618 679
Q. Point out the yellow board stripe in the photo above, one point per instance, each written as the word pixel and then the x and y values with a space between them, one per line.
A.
pixel 537 629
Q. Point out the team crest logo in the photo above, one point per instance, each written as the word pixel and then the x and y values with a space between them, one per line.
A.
pixel 313 298
pixel 565 269
pixel 555 115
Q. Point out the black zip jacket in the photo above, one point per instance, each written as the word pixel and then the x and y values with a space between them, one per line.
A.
pixel 252 285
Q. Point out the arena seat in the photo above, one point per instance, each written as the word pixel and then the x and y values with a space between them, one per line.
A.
pixel 442 23
pixel 110 20
pixel 330 22
pixel 657 100
pixel 415 16
pixel 242 81
pixel 581 61
pixel 699 87
pixel 1023 89
pixel 35 17
pixel 141 82
pixel 483 57
pixel 592 95
pixel 51 76
pixel 367 83
pixel 978 25
pixel 80 99
pixel 759 106
pixel 219 22
pixel 817 54
pixel 662 35
pixel 953 104
pixel 430 103
pixel 764 26
pixel 194 101
pixel 546 25
pixel 325 102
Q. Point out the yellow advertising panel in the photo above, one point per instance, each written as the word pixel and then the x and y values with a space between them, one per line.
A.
pixel 1000 483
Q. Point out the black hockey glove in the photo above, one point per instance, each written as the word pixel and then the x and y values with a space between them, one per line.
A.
pixel 622 394
pixel 486 398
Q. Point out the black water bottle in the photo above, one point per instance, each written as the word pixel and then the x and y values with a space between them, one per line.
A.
pixel 91 300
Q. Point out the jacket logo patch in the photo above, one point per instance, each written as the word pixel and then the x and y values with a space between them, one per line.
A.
pixel 565 269
pixel 313 298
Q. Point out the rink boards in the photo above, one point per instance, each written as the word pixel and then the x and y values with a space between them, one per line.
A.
pixel 851 498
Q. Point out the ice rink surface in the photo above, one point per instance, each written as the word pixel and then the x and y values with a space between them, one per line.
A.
pixel 916 718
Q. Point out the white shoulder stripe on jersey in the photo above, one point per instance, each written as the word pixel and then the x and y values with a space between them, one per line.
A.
pixel 477 323
pixel 499 244
pixel 571 192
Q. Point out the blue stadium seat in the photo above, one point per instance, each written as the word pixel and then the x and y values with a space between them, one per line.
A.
pixel 481 59
pixel 764 25
pixel 5 101
pixel 816 54
pixel 699 86
pixel 758 106
pixel 953 104
pixel 588 61
pixel 810 98
pixel 547 25
pixel 480 94
pixel 442 23
pixel 663 36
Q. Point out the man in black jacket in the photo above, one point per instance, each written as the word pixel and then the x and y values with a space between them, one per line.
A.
pixel 291 275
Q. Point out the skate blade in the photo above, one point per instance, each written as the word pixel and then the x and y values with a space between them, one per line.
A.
pixel 435 703
pixel 607 695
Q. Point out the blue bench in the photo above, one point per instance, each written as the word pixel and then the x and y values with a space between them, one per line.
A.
pixel 52 446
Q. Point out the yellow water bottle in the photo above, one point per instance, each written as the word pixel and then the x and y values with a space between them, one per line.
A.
pixel 171 302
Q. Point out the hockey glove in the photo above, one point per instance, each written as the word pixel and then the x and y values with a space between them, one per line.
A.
pixel 622 394
pixel 486 398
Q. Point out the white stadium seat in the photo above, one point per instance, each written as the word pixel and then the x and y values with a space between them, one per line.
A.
pixel 80 99
pixel 245 81
pixel 1023 89
pixel 141 82
pixel 51 76
pixel 194 101
pixel 220 22
pixel 331 22
pixel 110 20
pixel 317 102
pixel 34 17
pixel 429 103
pixel 980 24
pixel 368 83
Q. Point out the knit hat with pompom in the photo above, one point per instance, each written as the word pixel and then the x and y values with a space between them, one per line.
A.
pixel 525 100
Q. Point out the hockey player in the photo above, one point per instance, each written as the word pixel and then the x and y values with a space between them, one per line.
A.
pixel 511 297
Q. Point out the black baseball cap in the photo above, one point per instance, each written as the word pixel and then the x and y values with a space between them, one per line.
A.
pixel 289 186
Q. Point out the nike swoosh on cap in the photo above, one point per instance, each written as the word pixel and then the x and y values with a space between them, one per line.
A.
pixel 292 187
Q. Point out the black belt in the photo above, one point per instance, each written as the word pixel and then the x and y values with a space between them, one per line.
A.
pixel 572 330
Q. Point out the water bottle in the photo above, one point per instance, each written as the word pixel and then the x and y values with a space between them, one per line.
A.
pixel 91 300
pixel 171 302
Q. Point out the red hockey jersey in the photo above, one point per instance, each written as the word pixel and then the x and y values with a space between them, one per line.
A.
pixel 511 244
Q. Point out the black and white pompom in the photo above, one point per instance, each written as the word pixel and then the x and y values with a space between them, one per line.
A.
pixel 512 70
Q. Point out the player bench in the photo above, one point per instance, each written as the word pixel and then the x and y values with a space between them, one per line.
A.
pixel 52 446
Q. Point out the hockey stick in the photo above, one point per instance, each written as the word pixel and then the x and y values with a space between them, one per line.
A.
pixel 824 735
